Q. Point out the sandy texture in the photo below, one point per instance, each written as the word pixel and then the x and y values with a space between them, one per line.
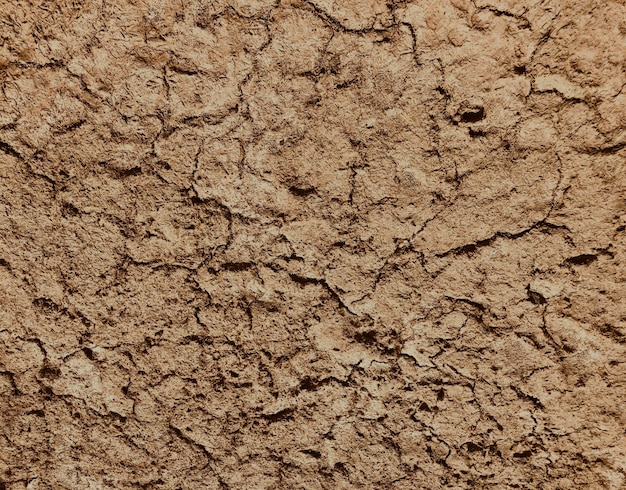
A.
pixel 312 244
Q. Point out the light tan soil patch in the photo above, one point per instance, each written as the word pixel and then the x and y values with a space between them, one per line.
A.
pixel 312 244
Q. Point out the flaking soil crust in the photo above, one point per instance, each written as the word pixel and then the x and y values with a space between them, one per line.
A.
pixel 312 244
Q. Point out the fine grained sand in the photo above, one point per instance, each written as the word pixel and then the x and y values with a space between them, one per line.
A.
pixel 312 244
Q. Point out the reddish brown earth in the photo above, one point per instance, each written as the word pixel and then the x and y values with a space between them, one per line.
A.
pixel 312 244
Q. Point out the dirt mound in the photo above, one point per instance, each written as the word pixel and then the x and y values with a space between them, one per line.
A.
pixel 312 244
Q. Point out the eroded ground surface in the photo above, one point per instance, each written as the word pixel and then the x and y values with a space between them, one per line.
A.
pixel 312 244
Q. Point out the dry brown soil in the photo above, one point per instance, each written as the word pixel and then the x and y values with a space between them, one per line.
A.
pixel 312 244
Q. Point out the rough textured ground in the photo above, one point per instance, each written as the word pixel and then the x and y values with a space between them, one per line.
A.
pixel 312 244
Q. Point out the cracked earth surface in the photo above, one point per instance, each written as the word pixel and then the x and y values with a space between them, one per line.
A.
pixel 312 244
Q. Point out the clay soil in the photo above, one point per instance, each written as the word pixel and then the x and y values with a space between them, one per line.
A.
pixel 312 244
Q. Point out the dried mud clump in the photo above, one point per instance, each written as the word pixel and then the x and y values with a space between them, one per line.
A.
pixel 312 244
